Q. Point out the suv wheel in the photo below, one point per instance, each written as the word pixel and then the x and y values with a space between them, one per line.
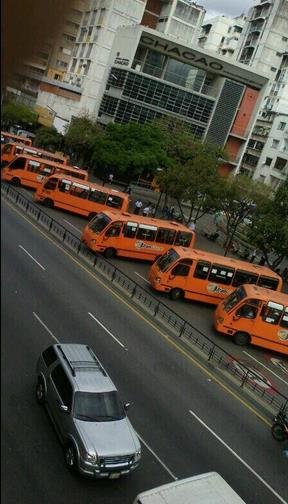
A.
pixel 70 457
pixel 241 338
pixel 176 294
pixel 40 392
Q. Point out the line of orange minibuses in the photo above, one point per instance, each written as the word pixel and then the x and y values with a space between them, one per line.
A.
pixel 250 305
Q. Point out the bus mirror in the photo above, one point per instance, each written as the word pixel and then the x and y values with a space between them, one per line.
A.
pixel 236 317
pixel 171 277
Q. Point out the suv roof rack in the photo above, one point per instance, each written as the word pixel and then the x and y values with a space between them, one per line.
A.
pixel 83 365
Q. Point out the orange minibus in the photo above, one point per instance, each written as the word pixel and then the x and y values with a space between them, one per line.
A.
pixel 135 236
pixel 30 171
pixel 10 137
pixel 83 198
pixel 255 315
pixel 205 276
pixel 10 150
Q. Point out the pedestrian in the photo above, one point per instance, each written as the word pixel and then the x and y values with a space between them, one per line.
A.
pixel 192 225
pixel 138 206
pixel 147 211
pixel 217 219
pixel 285 275
pixel 253 256
pixel 171 212
pixel 110 178
pixel 128 189
pixel 165 212
pixel 262 260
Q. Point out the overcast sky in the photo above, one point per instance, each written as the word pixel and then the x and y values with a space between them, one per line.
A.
pixel 230 8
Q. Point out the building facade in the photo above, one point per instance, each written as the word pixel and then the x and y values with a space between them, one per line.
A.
pixel 221 34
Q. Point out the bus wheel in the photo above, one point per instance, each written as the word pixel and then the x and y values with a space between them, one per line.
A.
pixel 109 253
pixel 91 216
pixel 48 203
pixel 176 294
pixel 241 338
pixel 16 181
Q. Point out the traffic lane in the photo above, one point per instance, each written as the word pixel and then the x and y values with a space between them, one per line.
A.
pixel 31 454
pixel 270 366
pixel 169 394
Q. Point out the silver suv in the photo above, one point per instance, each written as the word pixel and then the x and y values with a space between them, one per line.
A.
pixel 85 408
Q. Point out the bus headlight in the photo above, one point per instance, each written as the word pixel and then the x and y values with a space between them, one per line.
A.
pixel 157 280
pixel 92 458
pixel 92 241
pixel 220 320
pixel 137 456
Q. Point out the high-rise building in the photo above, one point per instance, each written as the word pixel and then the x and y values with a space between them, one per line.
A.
pixel 264 47
pixel 221 34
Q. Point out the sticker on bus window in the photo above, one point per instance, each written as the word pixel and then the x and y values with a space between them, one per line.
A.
pixel 283 334
pixel 39 177
pixel 34 163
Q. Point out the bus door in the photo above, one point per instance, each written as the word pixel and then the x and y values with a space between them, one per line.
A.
pixel 178 278
pixel 111 239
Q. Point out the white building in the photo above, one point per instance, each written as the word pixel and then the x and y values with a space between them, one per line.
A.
pixel 221 34
pixel 264 47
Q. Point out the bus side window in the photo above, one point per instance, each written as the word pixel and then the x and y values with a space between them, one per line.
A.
pixel 79 192
pixel 114 201
pixel 63 186
pixel 244 277
pixel 130 230
pixel 97 197
pixel 114 230
pixel 182 268
pixel 284 320
pixel 221 274
pixel 165 236
pixel 146 232
pixel 202 269
pixel 271 315
pixel 51 184
pixel 267 282
pixel 18 163
pixel 246 311
pixel 183 239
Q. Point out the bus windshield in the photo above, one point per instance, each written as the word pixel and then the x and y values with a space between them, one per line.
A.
pixel 167 259
pixel 234 299
pixel 99 223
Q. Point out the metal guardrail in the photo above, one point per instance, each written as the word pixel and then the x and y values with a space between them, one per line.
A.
pixel 243 376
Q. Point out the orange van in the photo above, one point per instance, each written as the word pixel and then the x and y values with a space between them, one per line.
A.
pixel 10 137
pixel 12 149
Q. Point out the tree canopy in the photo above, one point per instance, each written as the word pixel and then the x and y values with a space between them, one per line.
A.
pixel 17 113
pixel 48 138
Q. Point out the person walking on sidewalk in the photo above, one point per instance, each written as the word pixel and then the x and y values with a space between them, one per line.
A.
pixel 192 225
pixel 253 256
pixel 138 206
pixel 110 178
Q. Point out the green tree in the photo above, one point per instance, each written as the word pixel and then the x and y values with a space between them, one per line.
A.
pixel 191 172
pixel 80 139
pixel 17 113
pixel 269 229
pixel 129 150
pixel 240 199
pixel 48 138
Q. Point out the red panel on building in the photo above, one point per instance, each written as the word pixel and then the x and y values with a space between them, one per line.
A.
pixel 245 112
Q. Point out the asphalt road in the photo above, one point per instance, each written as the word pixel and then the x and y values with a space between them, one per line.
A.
pixel 188 423
pixel 271 366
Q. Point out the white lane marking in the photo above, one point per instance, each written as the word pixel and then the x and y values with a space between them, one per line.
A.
pixel 105 329
pixel 45 327
pixel 145 279
pixel 157 458
pixel 72 225
pixel 24 250
pixel 263 365
pixel 238 457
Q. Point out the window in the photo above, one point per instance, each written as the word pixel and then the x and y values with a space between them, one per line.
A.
pixel 183 238
pixel 272 313
pixel 49 356
pixel 19 163
pixel 268 161
pixel 114 201
pixel 64 185
pixel 97 196
pixel 130 230
pixel 268 283
pixel 99 223
pixel 275 144
pixel 247 311
pixel 284 320
pixel 243 277
pixel 221 274
pixel 281 126
pixel 62 385
pixel 80 191
pixel 280 164
pixel 234 299
pixel 51 184
pixel 182 268
pixel 202 270
pixel 41 168
pixel 146 232
pixel 114 230
pixel 166 236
